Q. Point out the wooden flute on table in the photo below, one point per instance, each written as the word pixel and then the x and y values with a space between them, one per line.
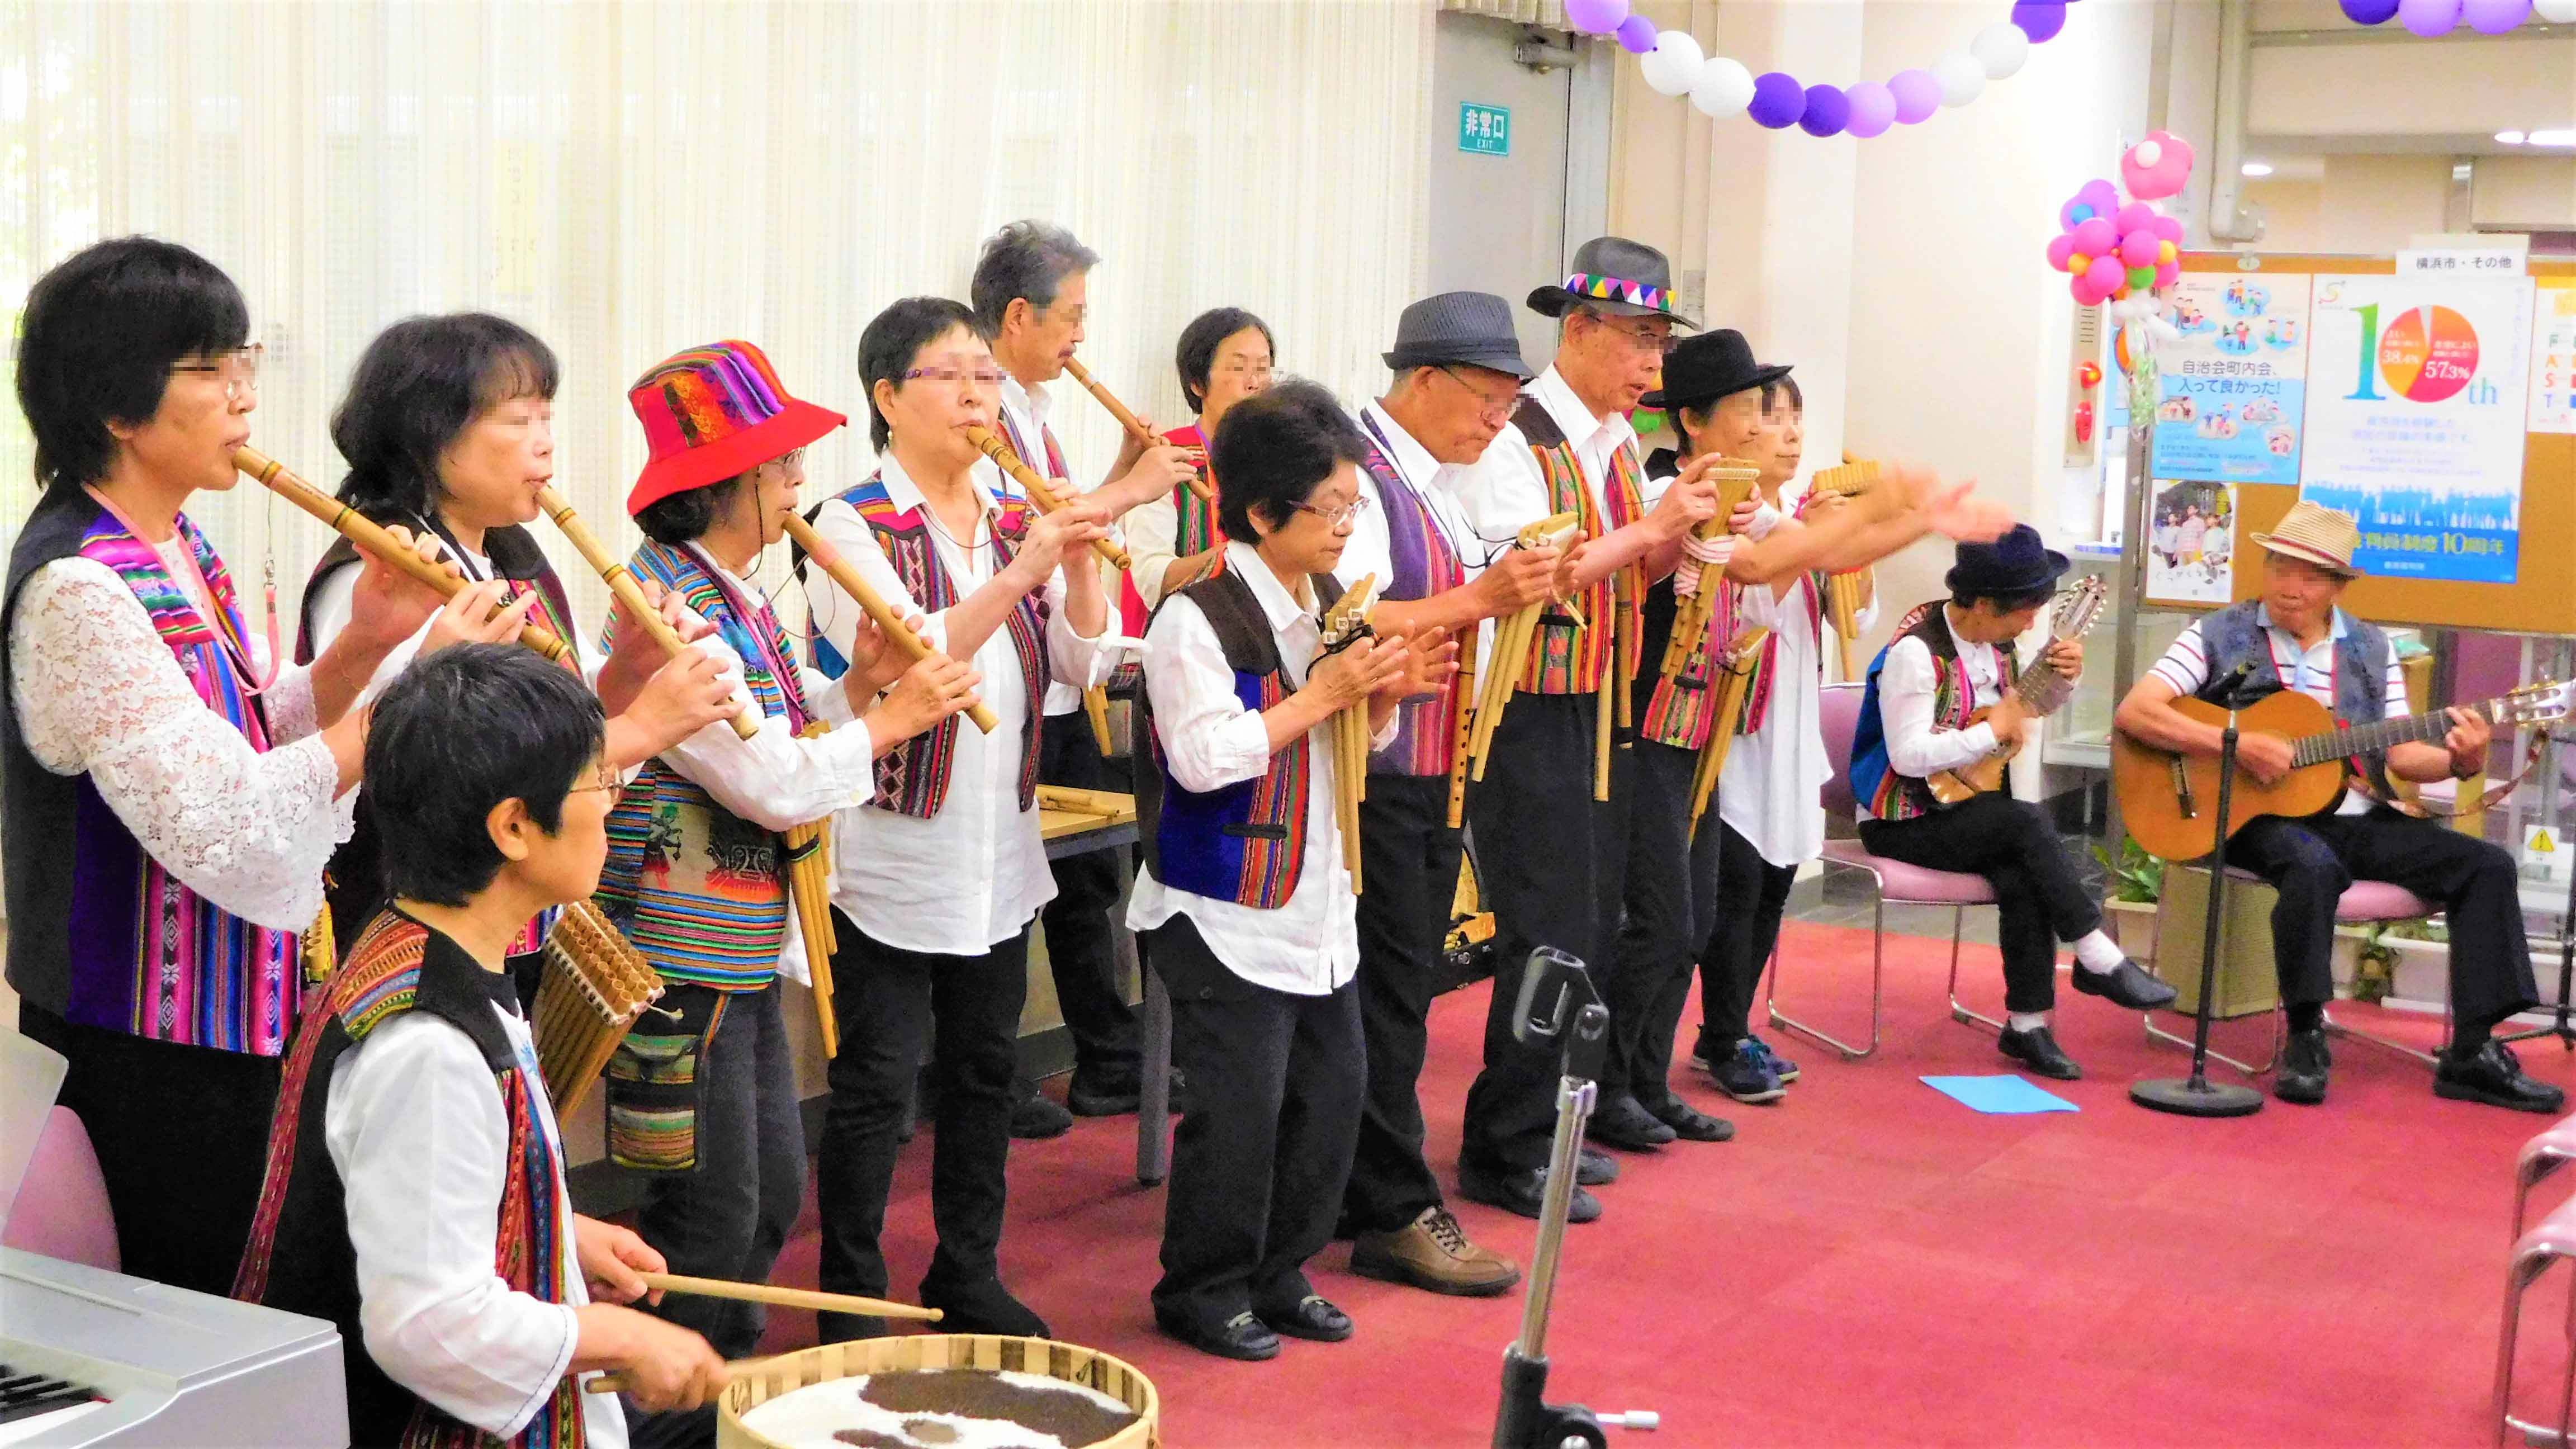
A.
pixel 1040 492
pixel 622 583
pixel 888 622
pixel 363 531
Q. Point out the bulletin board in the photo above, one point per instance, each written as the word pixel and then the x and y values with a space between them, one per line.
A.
pixel 2541 600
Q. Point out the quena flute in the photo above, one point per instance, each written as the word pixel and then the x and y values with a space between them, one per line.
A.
pixel 363 531
pixel 1134 425
pixel 1040 492
pixel 1462 705
pixel 843 573
pixel 629 593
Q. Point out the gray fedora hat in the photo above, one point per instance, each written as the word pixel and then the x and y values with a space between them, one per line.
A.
pixel 1615 275
pixel 1474 328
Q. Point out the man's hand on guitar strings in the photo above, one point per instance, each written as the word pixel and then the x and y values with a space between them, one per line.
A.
pixel 2265 757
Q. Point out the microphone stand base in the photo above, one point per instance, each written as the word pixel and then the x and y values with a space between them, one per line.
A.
pixel 2193 1097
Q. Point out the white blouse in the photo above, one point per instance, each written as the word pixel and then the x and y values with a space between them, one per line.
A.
pixel 330 604
pixel 1768 791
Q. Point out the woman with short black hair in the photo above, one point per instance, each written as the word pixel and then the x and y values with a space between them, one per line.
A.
pixel 1225 355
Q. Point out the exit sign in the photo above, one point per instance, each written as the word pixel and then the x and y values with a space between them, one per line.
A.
pixel 1484 130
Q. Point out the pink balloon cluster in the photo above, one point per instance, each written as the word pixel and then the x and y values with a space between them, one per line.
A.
pixel 2112 250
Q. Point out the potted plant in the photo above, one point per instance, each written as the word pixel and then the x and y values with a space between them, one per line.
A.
pixel 2137 882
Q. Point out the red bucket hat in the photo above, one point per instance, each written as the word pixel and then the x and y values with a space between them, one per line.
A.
pixel 713 413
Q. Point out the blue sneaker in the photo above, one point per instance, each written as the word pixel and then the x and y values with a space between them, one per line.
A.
pixel 1746 1076
pixel 1781 1067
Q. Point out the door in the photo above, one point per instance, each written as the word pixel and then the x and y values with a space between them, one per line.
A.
pixel 1498 222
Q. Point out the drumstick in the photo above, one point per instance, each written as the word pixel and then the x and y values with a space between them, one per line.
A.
pixel 629 593
pixel 1039 491
pixel 888 622
pixel 787 1297
pixel 363 531
pixel 617 1381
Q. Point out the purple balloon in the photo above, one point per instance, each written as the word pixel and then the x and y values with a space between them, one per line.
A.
pixel 1778 100
pixel 1595 17
pixel 2428 18
pixel 1828 111
pixel 2040 19
pixel 2494 17
pixel 1873 109
pixel 1918 95
pixel 2096 237
pixel 1636 35
pixel 2100 195
pixel 2369 12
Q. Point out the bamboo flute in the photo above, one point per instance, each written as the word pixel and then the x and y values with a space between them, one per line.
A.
pixel 621 583
pixel 1041 493
pixel 1462 700
pixel 891 624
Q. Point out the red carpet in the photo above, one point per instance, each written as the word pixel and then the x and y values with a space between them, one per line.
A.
pixel 1870 1263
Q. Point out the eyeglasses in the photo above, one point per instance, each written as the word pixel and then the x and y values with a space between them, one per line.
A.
pixel 604 777
pixel 980 376
pixel 1488 407
pixel 238 367
pixel 1336 517
pixel 789 461
pixel 1659 343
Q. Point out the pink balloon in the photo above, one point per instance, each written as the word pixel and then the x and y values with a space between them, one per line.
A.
pixel 1917 93
pixel 2169 228
pixel 2107 275
pixel 1873 109
pixel 2060 247
pixel 2139 248
pixel 2167 175
pixel 2168 274
pixel 2086 294
pixel 2096 237
pixel 2136 216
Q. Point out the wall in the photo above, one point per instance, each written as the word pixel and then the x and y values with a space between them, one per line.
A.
pixel 2537 192
pixel 2361 86
pixel 2380 203
pixel 2293 215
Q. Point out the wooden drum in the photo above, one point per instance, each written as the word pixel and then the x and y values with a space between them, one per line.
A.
pixel 932 1357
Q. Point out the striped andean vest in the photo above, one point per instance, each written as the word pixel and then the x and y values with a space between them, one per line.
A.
pixel 1567 658
pixel 1878 787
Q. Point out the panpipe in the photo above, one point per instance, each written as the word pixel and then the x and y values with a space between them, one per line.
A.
pixel 1735 479
pixel 1136 429
pixel 1510 654
pixel 1843 597
pixel 1095 707
pixel 1041 493
pixel 888 622
pixel 809 889
pixel 593 987
pixel 1462 698
pixel 363 531
pixel 316 949
pixel 1726 709
pixel 629 593
pixel 1348 619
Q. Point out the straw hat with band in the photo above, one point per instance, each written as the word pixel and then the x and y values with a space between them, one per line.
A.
pixel 2314 533
pixel 713 413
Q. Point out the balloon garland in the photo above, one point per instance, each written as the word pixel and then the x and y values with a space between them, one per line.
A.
pixel 1672 62
pixel 2429 18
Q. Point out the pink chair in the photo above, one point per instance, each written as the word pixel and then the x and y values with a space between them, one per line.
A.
pixel 2533 1253
pixel 2542 1156
pixel 1897 883
pixel 61 1211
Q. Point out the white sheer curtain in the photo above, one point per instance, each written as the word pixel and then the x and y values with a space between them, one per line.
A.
pixel 628 179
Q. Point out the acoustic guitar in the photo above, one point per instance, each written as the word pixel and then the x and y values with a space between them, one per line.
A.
pixel 2042 689
pixel 2169 802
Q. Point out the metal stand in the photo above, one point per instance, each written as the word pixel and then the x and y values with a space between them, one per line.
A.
pixel 1557 1004
pixel 2560 1018
pixel 2197 1096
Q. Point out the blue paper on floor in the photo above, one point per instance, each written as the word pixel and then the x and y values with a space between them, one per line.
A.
pixel 2003 1096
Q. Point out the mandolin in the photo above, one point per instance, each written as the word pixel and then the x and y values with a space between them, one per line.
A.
pixel 2042 689
pixel 2169 802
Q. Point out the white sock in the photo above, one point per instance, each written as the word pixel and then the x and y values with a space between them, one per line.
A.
pixel 2027 1020
pixel 2098 952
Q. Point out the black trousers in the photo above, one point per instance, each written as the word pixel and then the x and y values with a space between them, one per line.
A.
pixel 889 1003
pixel 1259 1163
pixel 2012 844
pixel 181 1134
pixel 2311 860
pixel 1751 893
pixel 1410 856
pixel 1664 888
pixel 1541 860
pixel 1080 951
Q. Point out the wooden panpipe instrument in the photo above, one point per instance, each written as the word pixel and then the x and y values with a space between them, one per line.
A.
pixel 1134 425
pixel 1735 479
pixel 809 890
pixel 1040 492
pixel 1844 590
pixel 593 988
pixel 371 537
pixel 888 622
pixel 1510 656
pixel 1732 683
pixel 621 582
pixel 1347 618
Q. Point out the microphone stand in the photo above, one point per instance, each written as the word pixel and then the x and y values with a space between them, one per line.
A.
pixel 2560 1015
pixel 2197 1095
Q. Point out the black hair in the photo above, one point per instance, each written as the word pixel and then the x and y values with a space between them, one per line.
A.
pixel 99 336
pixel 1196 354
pixel 453 736
pixel 2004 603
pixel 1025 259
pixel 893 338
pixel 1274 449
pixel 1772 392
pixel 418 386
pixel 685 516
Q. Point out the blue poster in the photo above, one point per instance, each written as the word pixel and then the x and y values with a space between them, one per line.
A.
pixel 2233 389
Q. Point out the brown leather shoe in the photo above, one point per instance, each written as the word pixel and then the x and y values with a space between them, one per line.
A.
pixel 1432 1252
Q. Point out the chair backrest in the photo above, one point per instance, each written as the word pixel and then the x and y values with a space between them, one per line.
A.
pixel 1838 715
pixel 61 1210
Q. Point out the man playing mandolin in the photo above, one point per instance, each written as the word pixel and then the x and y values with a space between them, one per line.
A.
pixel 2294 637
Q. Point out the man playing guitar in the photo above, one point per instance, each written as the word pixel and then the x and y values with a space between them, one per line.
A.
pixel 2294 637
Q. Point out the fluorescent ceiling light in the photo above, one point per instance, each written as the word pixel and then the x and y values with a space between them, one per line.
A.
pixel 2510 138
pixel 2564 136
pixel 2257 168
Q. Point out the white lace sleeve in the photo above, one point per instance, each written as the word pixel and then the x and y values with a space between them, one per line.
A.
pixel 96 690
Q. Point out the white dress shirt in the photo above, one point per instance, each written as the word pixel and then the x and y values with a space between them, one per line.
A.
pixel 1506 490
pixel 1371 548
pixel 974 874
pixel 1309 946
pixel 2310 671
pixel 331 602
pixel 1905 684
pixel 417 1131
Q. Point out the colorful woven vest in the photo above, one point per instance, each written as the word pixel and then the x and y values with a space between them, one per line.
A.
pixel 1425 564
pixel 1199 529
pixel 913 777
pixel 1569 659
pixel 1246 842
pixel 701 892
pixel 300 1258
pixel 1880 789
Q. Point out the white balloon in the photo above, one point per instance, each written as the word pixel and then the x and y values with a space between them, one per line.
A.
pixel 2555 12
pixel 2150 154
pixel 2155 305
pixel 1962 78
pixel 1672 67
pixel 2000 48
pixel 1724 87
pixel 2164 331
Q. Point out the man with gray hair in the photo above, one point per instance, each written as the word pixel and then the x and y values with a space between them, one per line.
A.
pixel 1031 293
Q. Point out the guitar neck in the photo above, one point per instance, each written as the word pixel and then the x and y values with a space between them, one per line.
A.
pixel 2370 739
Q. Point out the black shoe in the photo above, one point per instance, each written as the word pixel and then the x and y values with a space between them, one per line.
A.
pixel 1311 1318
pixel 1108 1092
pixel 2493 1075
pixel 1594 1169
pixel 1689 1123
pixel 2038 1050
pixel 1035 1116
pixel 980 1307
pixel 1521 1191
pixel 2304 1061
pixel 1746 1075
pixel 1242 1336
pixel 1621 1123
pixel 2124 985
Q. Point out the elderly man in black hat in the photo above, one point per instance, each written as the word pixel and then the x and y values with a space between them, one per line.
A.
pixel 1950 658
pixel 1458 372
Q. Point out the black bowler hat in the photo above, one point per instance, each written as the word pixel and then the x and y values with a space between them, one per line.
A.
pixel 1700 370
pixel 2017 563
pixel 1474 328
pixel 1615 275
